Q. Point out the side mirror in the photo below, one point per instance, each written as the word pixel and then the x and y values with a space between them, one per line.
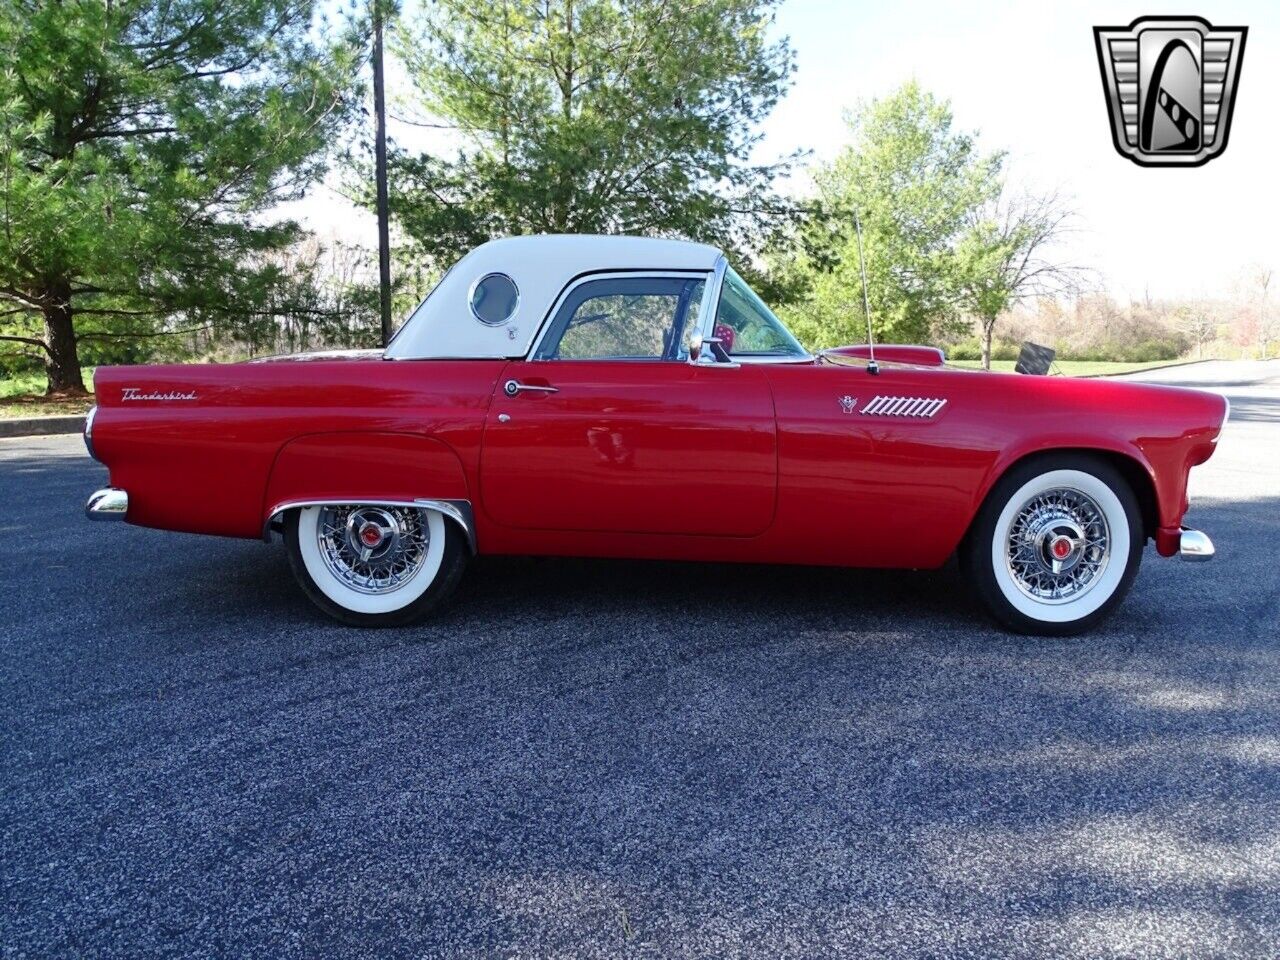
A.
pixel 718 353
pixel 695 348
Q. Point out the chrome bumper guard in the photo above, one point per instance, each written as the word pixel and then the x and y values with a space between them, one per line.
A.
pixel 107 504
pixel 1194 545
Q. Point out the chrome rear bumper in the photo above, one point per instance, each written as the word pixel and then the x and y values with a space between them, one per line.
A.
pixel 1194 545
pixel 107 504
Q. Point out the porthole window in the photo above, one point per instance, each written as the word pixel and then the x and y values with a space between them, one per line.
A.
pixel 494 298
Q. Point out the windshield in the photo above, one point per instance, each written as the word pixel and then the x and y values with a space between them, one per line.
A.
pixel 747 328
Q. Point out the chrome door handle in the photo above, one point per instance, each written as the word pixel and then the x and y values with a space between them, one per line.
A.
pixel 513 388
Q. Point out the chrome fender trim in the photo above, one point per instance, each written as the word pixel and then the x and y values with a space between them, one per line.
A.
pixel 88 431
pixel 109 503
pixel 1194 545
pixel 457 510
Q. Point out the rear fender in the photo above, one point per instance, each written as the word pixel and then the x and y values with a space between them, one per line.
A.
pixel 351 467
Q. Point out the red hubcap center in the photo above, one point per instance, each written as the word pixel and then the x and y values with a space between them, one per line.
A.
pixel 371 535
pixel 1061 548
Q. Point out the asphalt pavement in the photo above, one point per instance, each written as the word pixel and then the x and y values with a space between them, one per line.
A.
pixel 618 759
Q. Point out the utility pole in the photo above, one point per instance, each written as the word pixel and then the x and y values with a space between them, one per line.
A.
pixel 380 174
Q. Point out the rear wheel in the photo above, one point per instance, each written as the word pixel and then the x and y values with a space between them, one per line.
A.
pixel 372 565
pixel 1056 545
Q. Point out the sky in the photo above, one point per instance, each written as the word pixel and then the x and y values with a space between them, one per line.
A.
pixel 1025 77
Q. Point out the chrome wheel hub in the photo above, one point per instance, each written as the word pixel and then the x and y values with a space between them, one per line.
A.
pixel 1058 545
pixel 372 549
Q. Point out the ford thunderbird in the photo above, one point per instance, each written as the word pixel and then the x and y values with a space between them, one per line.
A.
pixel 627 397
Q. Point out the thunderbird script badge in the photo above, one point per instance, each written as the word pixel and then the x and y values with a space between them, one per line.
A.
pixel 1170 84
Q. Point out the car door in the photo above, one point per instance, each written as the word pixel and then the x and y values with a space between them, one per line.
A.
pixel 608 427
pixel 879 470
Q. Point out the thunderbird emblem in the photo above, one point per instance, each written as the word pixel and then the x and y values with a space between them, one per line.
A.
pixel 1170 84
pixel 137 393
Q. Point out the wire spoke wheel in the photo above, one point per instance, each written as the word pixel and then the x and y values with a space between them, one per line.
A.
pixel 1058 545
pixel 372 549
pixel 378 564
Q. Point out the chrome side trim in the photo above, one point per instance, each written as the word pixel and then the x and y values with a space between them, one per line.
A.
pixel 921 408
pixel 457 510
pixel 88 431
pixel 756 361
pixel 1195 546
pixel 109 503
pixel 460 511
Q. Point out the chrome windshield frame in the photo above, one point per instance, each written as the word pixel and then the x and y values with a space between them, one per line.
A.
pixel 710 308
pixel 711 296
pixel 707 315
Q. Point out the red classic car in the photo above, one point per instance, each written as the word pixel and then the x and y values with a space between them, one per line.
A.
pixel 626 397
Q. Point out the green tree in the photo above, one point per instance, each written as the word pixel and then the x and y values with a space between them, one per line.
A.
pixel 917 184
pixel 590 116
pixel 140 143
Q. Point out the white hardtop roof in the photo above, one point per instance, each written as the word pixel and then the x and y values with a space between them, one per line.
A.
pixel 541 267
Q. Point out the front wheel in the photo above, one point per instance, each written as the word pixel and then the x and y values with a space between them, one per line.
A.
pixel 1056 545
pixel 373 565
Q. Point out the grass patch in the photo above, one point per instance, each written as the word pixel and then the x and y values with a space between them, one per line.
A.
pixel 22 395
pixel 34 383
pixel 16 408
pixel 1072 368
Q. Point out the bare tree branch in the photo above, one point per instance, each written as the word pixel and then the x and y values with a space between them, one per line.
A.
pixel 1015 239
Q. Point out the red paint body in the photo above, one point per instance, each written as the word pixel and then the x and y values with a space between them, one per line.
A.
pixel 634 459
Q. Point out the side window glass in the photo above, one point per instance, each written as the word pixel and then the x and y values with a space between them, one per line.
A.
pixel 622 318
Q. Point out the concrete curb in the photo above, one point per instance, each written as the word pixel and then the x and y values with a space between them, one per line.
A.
pixel 1124 373
pixel 1183 363
pixel 41 426
pixel 1134 373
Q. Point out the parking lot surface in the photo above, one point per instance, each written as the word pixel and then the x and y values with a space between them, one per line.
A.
pixel 617 759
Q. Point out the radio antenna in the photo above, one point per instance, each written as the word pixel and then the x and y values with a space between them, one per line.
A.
pixel 872 366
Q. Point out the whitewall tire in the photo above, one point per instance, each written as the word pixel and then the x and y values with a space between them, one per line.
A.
pixel 374 564
pixel 1056 544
